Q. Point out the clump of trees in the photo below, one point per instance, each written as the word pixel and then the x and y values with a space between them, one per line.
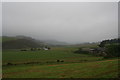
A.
pixel 106 42
pixel 107 49
pixel 112 47
pixel 112 50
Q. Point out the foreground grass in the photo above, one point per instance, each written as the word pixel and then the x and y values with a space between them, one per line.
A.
pixel 97 69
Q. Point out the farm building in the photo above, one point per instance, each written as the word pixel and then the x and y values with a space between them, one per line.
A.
pixel 45 49
pixel 94 50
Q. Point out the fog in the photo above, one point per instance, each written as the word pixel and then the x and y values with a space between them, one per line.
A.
pixel 72 22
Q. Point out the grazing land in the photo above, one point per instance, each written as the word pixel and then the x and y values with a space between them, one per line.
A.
pixel 59 62
pixel 60 40
pixel 50 56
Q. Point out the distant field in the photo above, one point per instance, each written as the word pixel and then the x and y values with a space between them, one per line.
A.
pixel 66 54
pixel 97 69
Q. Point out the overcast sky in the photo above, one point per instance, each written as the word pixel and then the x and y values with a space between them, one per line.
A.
pixel 72 22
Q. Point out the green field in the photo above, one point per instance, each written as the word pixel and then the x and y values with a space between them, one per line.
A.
pixel 73 65
pixel 66 54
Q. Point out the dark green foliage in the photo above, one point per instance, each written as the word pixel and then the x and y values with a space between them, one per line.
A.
pixel 113 50
pixel 112 47
pixel 104 42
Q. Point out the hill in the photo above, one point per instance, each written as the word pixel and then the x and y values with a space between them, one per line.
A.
pixel 6 38
pixel 20 42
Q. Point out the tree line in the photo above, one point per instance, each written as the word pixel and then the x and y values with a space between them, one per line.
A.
pixel 107 48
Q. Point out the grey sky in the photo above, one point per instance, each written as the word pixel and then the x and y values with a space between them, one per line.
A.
pixel 68 21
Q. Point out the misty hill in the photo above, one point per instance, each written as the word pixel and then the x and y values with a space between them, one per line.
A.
pixel 19 42
pixel 55 43
pixel 6 38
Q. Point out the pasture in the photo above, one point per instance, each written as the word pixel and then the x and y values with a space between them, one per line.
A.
pixel 43 64
pixel 66 54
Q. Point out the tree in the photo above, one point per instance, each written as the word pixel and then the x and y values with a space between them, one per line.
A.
pixel 105 42
pixel 113 50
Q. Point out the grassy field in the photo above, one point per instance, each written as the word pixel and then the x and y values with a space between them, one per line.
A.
pixel 73 65
pixel 97 69
pixel 66 54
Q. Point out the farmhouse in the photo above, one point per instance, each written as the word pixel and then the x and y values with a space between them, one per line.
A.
pixel 94 50
pixel 45 49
